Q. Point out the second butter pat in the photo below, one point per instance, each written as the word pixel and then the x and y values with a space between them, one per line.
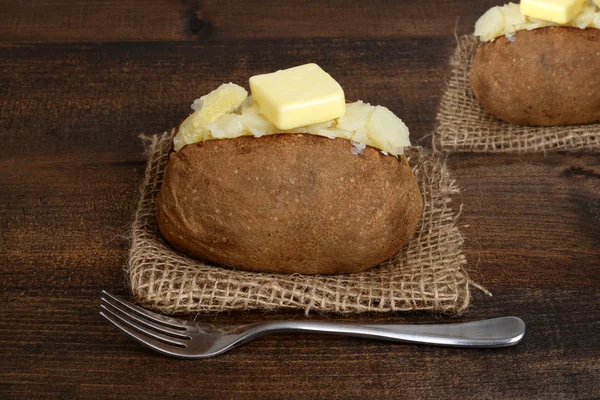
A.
pixel 558 11
pixel 298 96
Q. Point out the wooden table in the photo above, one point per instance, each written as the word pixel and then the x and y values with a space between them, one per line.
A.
pixel 80 80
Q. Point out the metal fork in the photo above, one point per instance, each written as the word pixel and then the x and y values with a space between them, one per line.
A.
pixel 186 339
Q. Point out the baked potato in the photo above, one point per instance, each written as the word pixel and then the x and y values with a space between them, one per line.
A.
pixel 288 203
pixel 546 76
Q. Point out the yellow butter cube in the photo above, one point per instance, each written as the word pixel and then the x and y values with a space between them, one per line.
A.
pixel 298 96
pixel 558 11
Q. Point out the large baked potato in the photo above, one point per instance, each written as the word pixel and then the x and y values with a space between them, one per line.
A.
pixel 289 203
pixel 547 76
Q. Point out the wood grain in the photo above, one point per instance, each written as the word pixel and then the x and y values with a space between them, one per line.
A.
pixel 61 21
pixel 114 91
pixel 80 80
pixel 56 21
pixel 64 349
pixel 538 218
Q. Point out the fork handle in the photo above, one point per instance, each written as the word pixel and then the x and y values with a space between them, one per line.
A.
pixel 497 332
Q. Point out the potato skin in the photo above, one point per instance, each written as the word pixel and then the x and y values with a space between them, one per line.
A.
pixel 547 76
pixel 288 203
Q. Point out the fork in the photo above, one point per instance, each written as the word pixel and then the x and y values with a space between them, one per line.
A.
pixel 187 339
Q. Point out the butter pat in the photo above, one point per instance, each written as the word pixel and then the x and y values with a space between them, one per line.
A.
pixel 298 96
pixel 558 11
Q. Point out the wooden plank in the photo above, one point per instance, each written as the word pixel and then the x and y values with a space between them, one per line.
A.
pixel 61 21
pixel 100 96
pixel 533 220
pixel 55 21
pixel 64 349
pixel 339 18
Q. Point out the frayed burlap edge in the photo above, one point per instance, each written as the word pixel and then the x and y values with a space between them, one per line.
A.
pixel 464 126
pixel 428 274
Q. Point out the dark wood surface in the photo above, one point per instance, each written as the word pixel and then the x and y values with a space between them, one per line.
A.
pixel 80 80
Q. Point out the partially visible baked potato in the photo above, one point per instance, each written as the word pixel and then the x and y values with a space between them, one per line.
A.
pixel 288 203
pixel 547 76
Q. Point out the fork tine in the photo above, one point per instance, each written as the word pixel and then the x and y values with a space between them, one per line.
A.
pixel 148 341
pixel 148 332
pixel 142 320
pixel 171 322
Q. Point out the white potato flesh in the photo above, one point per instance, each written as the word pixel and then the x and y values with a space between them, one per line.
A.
pixel 507 19
pixel 232 113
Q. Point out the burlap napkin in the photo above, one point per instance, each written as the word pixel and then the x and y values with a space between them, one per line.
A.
pixel 428 274
pixel 464 126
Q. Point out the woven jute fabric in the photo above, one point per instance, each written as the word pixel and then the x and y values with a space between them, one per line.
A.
pixel 464 126
pixel 427 274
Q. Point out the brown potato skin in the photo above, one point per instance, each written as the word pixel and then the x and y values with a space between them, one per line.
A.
pixel 547 76
pixel 288 203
